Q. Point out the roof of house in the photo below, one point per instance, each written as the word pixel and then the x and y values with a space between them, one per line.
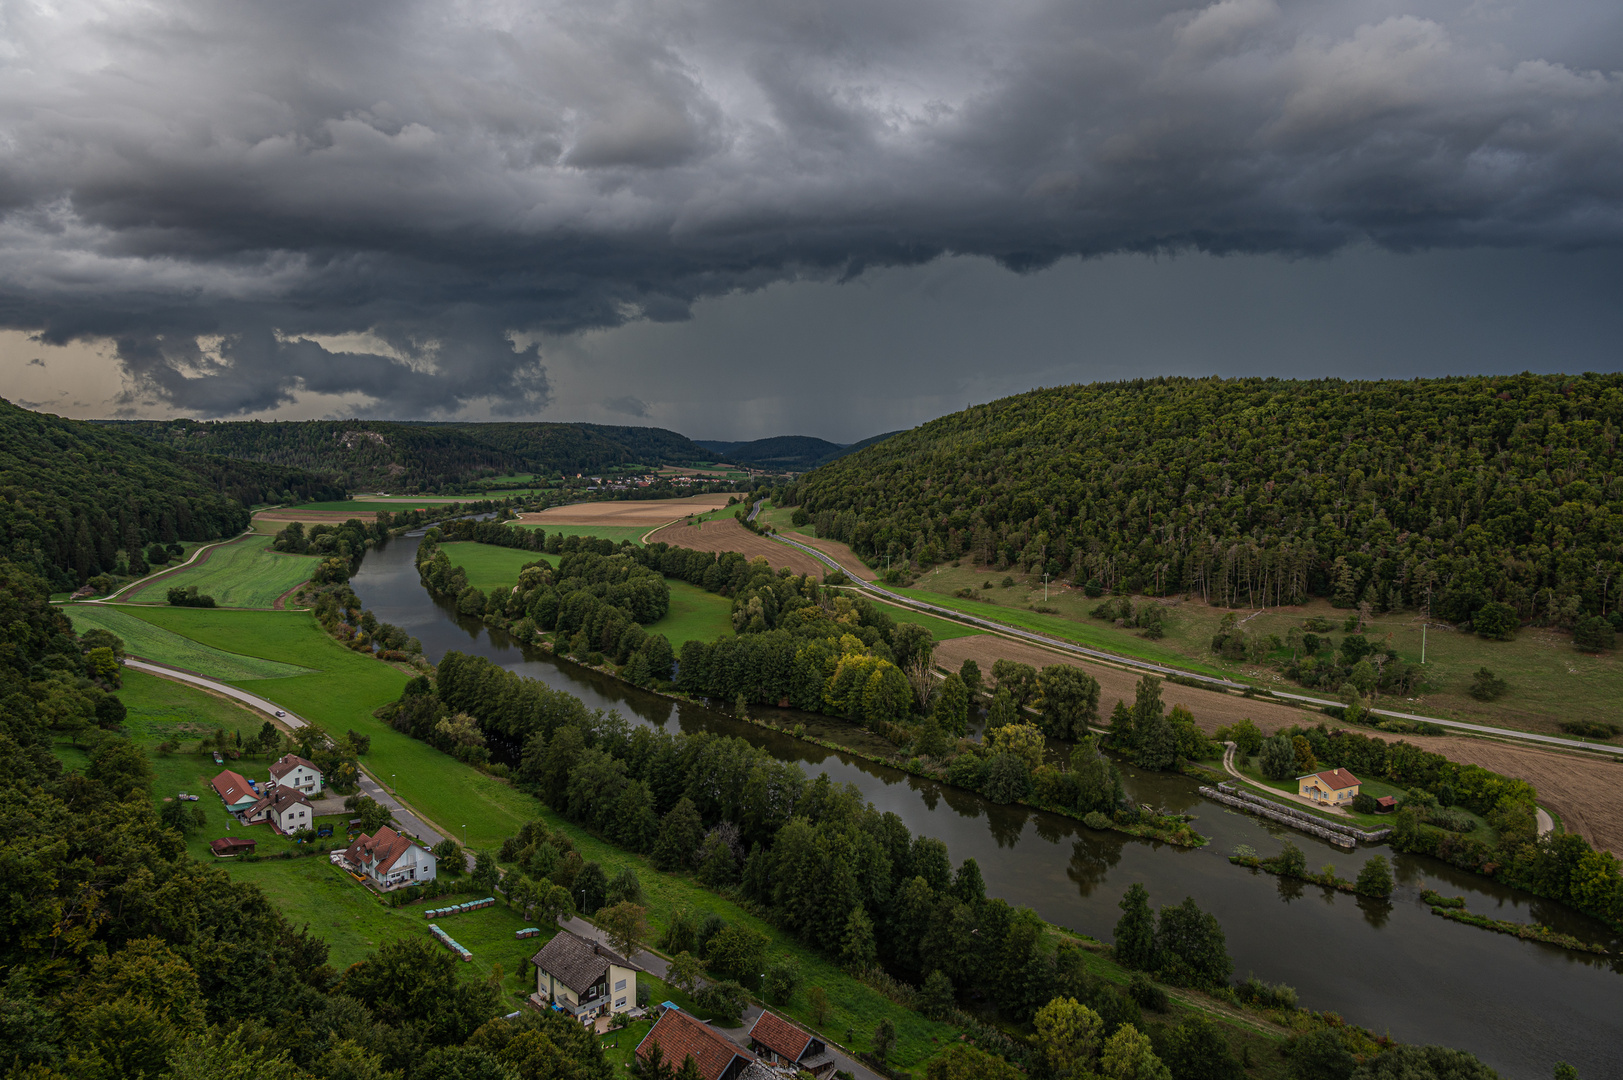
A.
pixel 1335 779
pixel 577 962
pixel 780 1036
pixel 233 788
pixel 1386 800
pixel 230 845
pixel 288 762
pixel 386 847
pixel 680 1036
pixel 278 799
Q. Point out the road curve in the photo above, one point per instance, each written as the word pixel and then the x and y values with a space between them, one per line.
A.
pixel 1062 645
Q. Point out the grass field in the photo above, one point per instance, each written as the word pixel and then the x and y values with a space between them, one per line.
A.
pixel 372 506
pixel 491 567
pixel 142 638
pixel 695 615
pixel 245 573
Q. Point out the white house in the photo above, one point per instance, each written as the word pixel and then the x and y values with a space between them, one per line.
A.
pixel 298 773
pixel 390 860
pixel 583 978
pixel 287 810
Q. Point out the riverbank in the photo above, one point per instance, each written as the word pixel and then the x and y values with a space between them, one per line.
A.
pixel 1453 908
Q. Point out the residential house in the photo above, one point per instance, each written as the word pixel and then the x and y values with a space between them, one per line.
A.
pixel 680 1036
pixel 295 772
pixel 390 860
pixel 583 978
pixel 287 810
pixel 235 791
pixel 1334 788
pixel 778 1042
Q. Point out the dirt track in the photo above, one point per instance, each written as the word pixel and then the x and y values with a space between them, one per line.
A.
pixel 646 512
pixel 726 534
pixel 1587 792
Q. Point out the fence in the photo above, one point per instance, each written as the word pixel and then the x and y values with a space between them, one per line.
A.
pixel 458 909
pixel 449 942
pixel 1346 836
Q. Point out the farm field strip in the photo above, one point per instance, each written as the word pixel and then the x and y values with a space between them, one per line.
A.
pixel 152 642
pixel 727 534
pixel 645 512
pixel 244 573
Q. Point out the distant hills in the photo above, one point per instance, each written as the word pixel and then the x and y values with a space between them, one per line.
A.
pixel 1260 492
pixel 419 456
pixel 790 453
pixel 76 495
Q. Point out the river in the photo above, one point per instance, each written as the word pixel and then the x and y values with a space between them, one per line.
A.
pixel 1392 966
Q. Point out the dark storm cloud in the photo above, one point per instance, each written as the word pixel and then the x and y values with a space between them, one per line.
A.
pixel 217 187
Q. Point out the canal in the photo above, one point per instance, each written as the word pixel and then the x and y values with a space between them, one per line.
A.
pixel 1392 966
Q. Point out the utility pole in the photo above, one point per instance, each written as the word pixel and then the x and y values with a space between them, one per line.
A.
pixel 1045 586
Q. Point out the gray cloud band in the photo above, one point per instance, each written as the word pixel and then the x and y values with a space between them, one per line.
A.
pixel 211 185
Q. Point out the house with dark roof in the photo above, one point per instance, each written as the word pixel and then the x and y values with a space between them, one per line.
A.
pixel 1332 788
pixel 235 791
pixel 680 1036
pixel 583 978
pixel 292 771
pixel 229 847
pixel 389 860
pixel 779 1042
pixel 287 810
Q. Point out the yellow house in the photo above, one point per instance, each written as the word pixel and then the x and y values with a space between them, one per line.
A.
pixel 583 978
pixel 1334 788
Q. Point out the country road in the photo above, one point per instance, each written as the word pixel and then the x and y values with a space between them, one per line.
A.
pixel 1061 645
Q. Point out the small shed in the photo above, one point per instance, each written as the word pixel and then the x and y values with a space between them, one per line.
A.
pixel 1385 804
pixel 231 846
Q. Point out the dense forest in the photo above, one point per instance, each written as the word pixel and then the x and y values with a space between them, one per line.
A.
pixel 419 457
pixel 787 453
pixel 80 499
pixel 1263 491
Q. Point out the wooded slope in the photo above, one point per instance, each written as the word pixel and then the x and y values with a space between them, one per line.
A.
pixel 1257 491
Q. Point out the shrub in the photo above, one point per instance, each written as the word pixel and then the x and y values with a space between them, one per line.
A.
pixel 189 597
pixel 1496 621
pixel 1594 634
pixel 1590 729
pixel 1486 686
pixel 725 999
pixel 1364 803
pixel 1375 879
pixel 1096 820
pixel 1254 991
pixel 1147 994
pixel 782 979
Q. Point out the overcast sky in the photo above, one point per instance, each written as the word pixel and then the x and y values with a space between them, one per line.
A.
pixel 750 217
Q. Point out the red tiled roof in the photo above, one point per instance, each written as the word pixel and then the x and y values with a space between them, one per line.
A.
pixel 387 847
pixel 233 788
pixel 278 799
pixel 230 845
pixel 680 1036
pixel 780 1036
pixel 1336 779
pixel 288 762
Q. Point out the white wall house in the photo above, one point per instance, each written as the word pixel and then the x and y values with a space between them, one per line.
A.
pixel 287 810
pixel 390 860
pixel 297 773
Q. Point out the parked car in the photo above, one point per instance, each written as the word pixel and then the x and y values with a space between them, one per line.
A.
pixel 280 713
pixel 189 798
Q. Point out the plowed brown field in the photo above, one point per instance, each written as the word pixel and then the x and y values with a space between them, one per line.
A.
pixel 725 534
pixel 649 512
pixel 1587 792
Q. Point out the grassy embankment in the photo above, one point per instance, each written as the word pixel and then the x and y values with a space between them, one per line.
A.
pixel 243 574
pixel 1550 681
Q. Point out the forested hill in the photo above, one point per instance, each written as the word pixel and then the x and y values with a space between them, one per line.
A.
pixel 417 457
pixel 73 494
pixel 1264 491
pixel 791 453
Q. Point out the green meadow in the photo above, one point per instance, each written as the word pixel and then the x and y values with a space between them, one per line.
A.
pixel 618 534
pixel 143 638
pixel 245 573
pixel 490 567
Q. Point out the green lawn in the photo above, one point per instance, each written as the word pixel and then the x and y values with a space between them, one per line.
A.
pixel 491 567
pixel 998 605
pixel 244 573
pixel 144 639
pixel 370 506
pixel 694 615
pixel 616 533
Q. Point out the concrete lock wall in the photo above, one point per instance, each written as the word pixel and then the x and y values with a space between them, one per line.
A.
pixel 1345 836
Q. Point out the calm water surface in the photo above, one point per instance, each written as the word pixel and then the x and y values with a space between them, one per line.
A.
pixel 1390 966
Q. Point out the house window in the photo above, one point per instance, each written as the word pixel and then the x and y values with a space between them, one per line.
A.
pixel 621 985
pixel 620 1003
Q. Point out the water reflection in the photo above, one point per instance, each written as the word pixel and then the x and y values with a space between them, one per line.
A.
pixel 1393 967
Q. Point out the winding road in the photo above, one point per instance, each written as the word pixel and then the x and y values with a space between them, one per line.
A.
pixel 1061 645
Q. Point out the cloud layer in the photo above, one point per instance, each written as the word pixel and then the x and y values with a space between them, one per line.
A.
pixel 220 187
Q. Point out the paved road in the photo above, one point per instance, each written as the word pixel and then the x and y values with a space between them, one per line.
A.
pixel 408 821
pixel 1061 645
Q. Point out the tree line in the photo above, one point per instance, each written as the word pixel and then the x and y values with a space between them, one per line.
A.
pixel 79 500
pixel 1452 493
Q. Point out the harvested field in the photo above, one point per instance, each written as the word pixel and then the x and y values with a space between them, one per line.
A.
pixel 277 520
pixel 841 554
pixel 1587 792
pixel 646 512
pixel 728 535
